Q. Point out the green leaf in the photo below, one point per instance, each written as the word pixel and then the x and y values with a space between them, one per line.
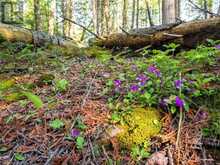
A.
pixel 80 142
pixel 62 85
pixel 36 100
pixel 56 124
pixel 19 157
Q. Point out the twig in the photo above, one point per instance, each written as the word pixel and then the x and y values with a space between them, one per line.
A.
pixel 173 35
pixel 124 30
pixel 202 9
pixel 51 156
pixel 85 28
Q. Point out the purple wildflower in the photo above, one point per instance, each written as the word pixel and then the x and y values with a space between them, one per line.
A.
pixel 178 83
pixel 75 132
pixel 142 79
pixel 179 102
pixel 217 46
pixel 117 83
pixel 134 88
pixel 153 69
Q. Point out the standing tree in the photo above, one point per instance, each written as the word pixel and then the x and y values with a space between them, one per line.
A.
pixel 52 17
pixel 168 11
pixel 67 10
pixel 37 15
pixel 133 14
pixel 137 15
pixel 149 13
pixel 125 14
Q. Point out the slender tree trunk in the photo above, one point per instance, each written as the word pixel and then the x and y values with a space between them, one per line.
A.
pixel 107 15
pixel 37 15
pixel 94 13
pixel 125 14
pixel 137 15
pixel 168 11
pixel 67 10
pixel 133 14
pixel 149 13
pixel 52 17
pixel 177 9
pixel 205 6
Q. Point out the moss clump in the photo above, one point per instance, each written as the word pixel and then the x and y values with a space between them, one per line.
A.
pixel 139 126
pixel 6 84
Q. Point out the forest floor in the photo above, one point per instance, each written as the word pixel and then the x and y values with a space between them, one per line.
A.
pixel 71 125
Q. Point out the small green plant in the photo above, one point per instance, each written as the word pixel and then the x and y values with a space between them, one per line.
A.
pixel 139 153
pixel 56 124
pixel 61 85
pixel 19 157
pixel 80 142
pixel 36 100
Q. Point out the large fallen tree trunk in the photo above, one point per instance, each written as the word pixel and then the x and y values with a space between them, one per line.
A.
pixel 14 34
pixel 188 34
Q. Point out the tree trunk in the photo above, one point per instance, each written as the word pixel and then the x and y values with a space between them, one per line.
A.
pixel 17 34
pixel 205 6
pixel 125 14
pixel 177 9
pixel 37 15
pixel 137 15
pixel 67 10
pixel 149 13
pixel 133 14
pixel 188 34
pixel 107 15
pixel 168 11
pixel 52 16
pixel 94 14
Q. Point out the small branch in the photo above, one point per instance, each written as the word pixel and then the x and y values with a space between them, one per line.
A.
pixel 124 30
pixel 173 35
pixel 85 28
pixel 202 9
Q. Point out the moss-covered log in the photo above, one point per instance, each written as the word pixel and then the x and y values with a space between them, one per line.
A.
pixel 188 34
pixel 15 34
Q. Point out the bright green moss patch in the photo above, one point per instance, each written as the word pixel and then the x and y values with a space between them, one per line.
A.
pixel 139 127
pixel 6 84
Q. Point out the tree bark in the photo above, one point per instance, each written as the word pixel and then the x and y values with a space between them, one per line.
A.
pixel 137 15
pixel 52 16
pixel 149 13
pixel 125 14
pixel 17 34
pixel 37 15
pixel 67 10
pixel 133 14
pixel 187 34
pixel 168 11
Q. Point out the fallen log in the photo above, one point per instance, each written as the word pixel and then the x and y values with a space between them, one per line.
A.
pixel 187 34
pixel 18 34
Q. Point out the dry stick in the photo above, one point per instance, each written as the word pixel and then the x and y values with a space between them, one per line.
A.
pixel 202 9
pixel 74 22
pixel 123 30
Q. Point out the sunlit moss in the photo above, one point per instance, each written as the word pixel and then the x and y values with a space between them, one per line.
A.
pixel 139 127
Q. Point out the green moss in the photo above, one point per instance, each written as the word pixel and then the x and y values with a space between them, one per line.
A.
pixel 139 127
pixel 13 97
pixel 6 84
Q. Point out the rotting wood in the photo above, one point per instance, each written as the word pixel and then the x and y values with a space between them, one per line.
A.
pixel 187 34
pixel 18 34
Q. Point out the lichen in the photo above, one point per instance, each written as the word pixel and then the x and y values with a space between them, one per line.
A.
pixel 139 126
